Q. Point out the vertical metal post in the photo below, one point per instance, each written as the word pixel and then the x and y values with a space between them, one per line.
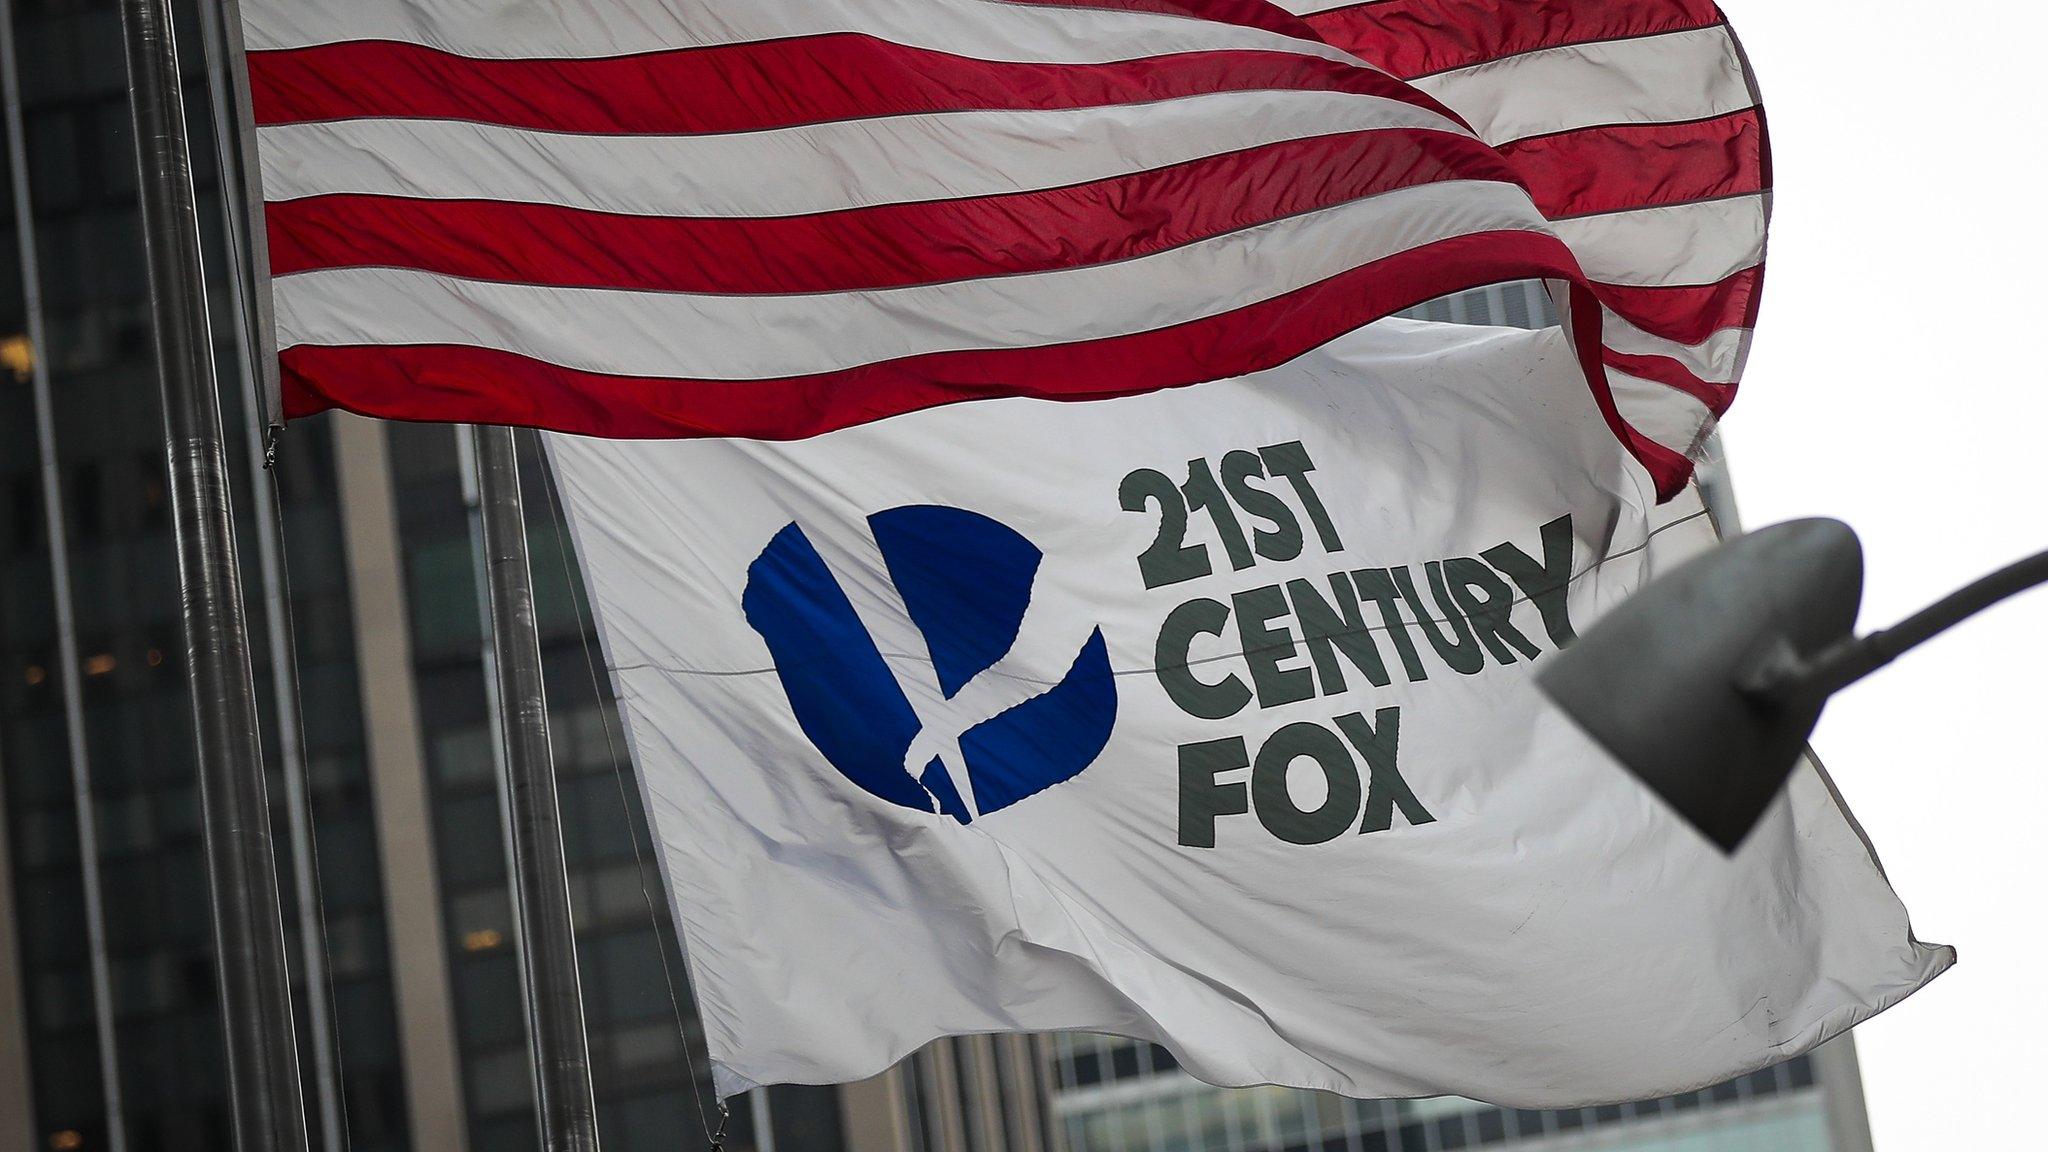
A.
pixel 763 1115
pixel 298 802
pixel 60 586
pixel 1717 487
pixel 473 512
pixel 298 805
pixel 234 134
pixel 546 931
pixel 494 706
pixel 266 1111
pixel 1841 1085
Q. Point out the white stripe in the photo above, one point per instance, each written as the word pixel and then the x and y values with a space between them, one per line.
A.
pixel 1677 76
pixel 751 337
pixel 1664 414
pixel 1717 359
pixel 809 168
pixel 1697 243
pixel 503 29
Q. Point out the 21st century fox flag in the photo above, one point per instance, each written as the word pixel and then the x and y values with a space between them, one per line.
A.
pixel 1043 590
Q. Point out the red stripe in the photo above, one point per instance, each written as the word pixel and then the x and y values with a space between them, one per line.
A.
pixel 1668 470
pixel 1249 13
pixel 458 383
pixel 875 247
pixel 1673 374
pixel 1420 37
pixel 1617 167
pixel 754 86
pixel 444 382
pixel 1688 314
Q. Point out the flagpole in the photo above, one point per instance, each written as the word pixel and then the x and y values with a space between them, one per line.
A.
pixel 540 877
pixel 267 1113
pixel 60 590
pixel 487 647
pixel 221 53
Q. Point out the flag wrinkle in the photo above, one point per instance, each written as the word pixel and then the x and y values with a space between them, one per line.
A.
pixel 1133 853
pixel 871 248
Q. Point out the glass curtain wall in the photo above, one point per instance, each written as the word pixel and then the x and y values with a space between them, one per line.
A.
pixel 1122 1096
pixel 137 729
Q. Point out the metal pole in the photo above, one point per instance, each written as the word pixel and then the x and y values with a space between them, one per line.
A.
pixel 1789 678
pixel 494 703
pixel 487 648
pixel 234 133
pixel 1717 487
pixel 277 619
pixel 60 586
pixel 494 706
pixel 298 804
pixel 763 1115
pixel 267 1113
pixel 546 931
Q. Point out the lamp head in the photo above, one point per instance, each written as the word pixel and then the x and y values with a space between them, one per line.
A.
pixel 1667 682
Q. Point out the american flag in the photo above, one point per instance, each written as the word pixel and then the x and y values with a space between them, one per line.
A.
pixel 773 218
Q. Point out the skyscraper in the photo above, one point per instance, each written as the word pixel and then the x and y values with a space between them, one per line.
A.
pixel 426 1028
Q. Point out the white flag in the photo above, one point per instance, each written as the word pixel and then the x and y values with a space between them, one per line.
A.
pixel 1205 717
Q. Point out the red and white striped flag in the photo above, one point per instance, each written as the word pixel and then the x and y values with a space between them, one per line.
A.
pixel 656 218
pixel 1197 708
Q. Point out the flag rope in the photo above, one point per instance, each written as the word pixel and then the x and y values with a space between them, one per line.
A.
pixel 291 651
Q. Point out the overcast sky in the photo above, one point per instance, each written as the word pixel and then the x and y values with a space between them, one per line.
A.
pixel 1896 384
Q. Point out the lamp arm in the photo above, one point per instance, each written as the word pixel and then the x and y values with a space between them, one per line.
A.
pixel 1785 676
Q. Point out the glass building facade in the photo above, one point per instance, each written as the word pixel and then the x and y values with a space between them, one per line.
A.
pixel 422 983
pixel 84 221
pixel 80 183
pixel 1120 1096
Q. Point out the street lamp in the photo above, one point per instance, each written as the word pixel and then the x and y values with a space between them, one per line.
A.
pixel 1707 683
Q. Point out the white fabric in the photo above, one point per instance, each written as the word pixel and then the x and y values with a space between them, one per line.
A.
pixel 1552 937
pixel 1676 76
pixel 1717 359
pixel 809 168
pixel 1697 243
pixel 1673 418
pixel 585 28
